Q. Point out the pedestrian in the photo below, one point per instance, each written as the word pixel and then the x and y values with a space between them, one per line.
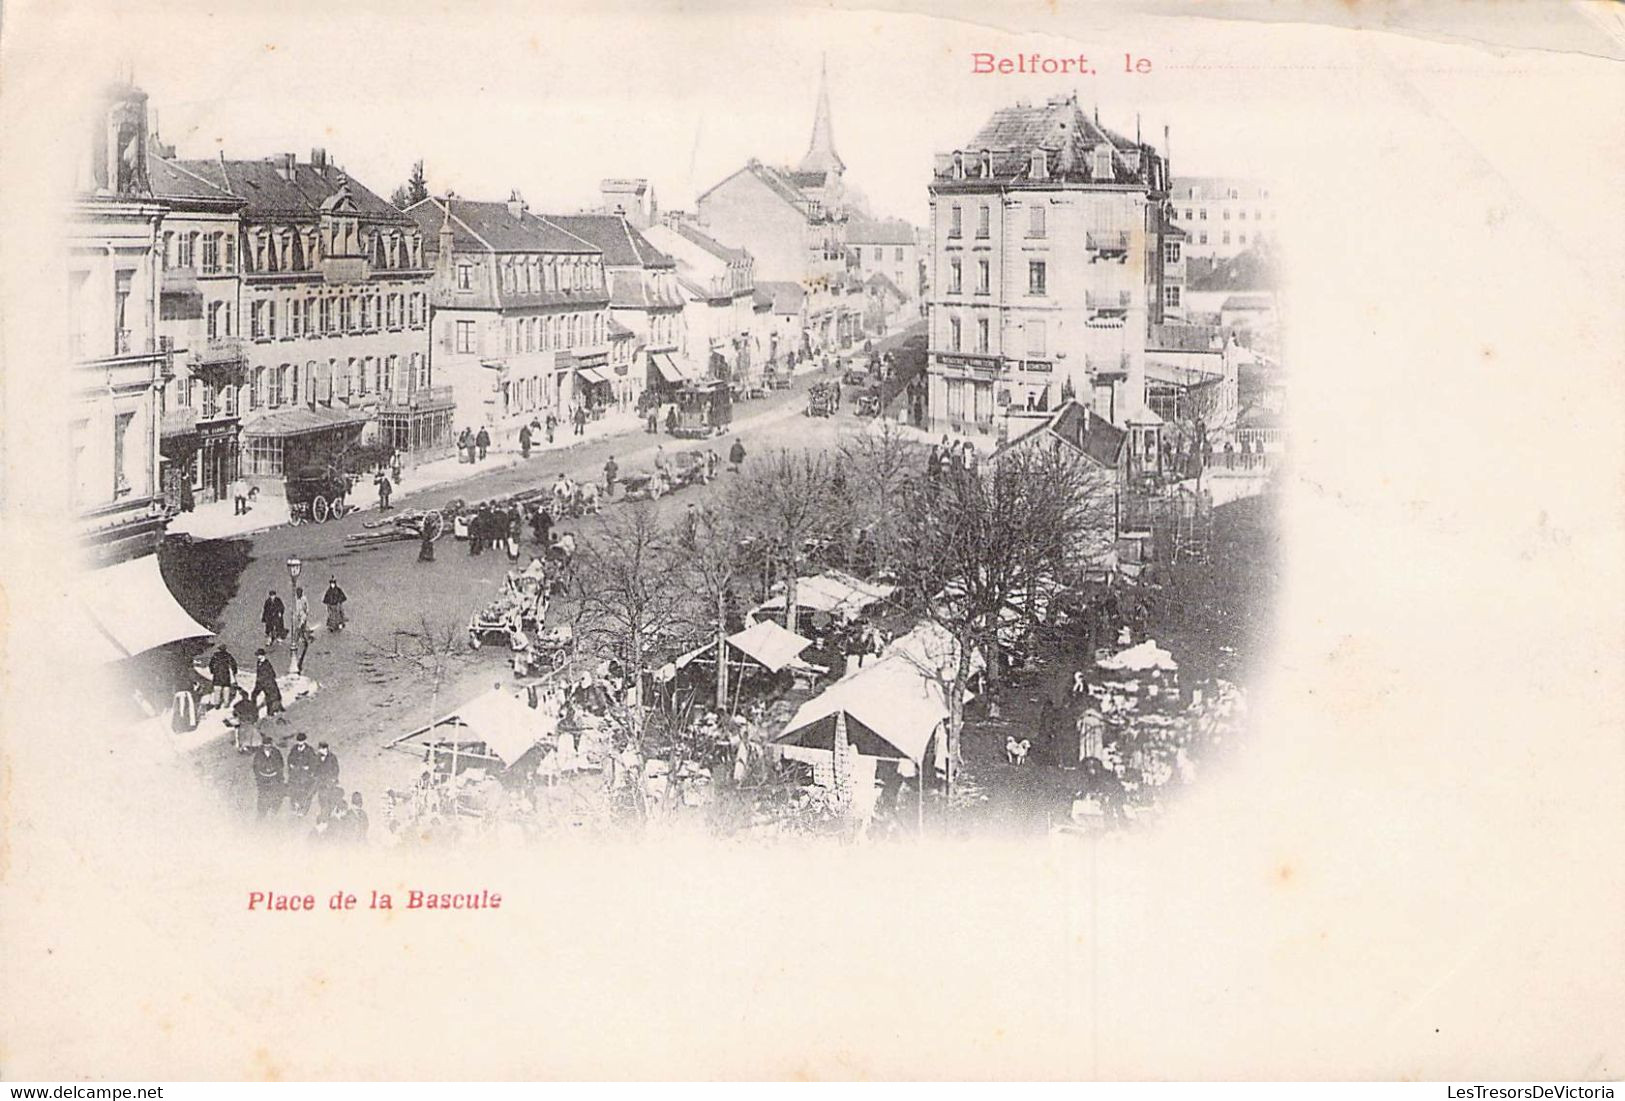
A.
pixel 513 537
pixel 483 442
pixel 247 715
pixel 334 598
pixel 671 420
pixel 654 419
pixel 302 634
pixel 835 393
pixel 360 825
pixel 301 775
pixel 265 684
pixel 581 421
pixel 269 785
pixel 239 496
pixel 271 614
pixel 382 481
pixel 524 442
pixel 933 463
pixel 712 462
pixel 183 708
pixel 223 674
pixel 426 542
pixel 1229 455
pixel 324 773
pixel 542 526
pixel 736 456
pixel 612 474
pixel 660 460
pixel 396 470
pixel 465 446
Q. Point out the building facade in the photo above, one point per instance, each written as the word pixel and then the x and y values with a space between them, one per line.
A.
pixel 885 247
pixel 793 222
pixel 719 336
pixel 1222 215
pixel 120 364
pixel 332 317
pixel 644 296
pixel 1050 263
pixel 521 314
pixel 199 302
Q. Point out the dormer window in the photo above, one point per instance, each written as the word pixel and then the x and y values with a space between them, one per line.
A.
pixel 987 164
pixel 1102 169
pixel 1040 167
pixel 959 165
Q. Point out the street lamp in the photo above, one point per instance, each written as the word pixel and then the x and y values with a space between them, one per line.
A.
pixel 294 566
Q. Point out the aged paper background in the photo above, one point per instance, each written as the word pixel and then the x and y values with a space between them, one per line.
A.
pixel 1416 868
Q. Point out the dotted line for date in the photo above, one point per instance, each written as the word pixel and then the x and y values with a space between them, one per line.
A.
pixel 1343 69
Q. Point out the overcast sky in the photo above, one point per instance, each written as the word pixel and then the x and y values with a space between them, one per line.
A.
pixel 494 97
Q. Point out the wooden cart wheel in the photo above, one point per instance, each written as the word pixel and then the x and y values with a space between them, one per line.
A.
pixel 559 659
pixel 473 641
pixel 436 523
pixel 319 509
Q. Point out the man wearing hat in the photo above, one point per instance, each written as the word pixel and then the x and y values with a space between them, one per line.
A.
pixel 268 782
pixel 223 674
pixel 265 683
pixel 301 774
pixel 325 780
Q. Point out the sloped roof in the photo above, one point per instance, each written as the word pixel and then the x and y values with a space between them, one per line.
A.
pixel 1185 338
pixel 488 226
pixel 1248 302
pixel 1085 430
pixel 788 298
pixel 775 180
pixel 1253 270
pixel 268 194
pixel 170 180
pixel 617 331
pixel 1060 128
pixel 710 244
pixel 879 279
pixel 1214 187
pixel 873 231
pixel 619 240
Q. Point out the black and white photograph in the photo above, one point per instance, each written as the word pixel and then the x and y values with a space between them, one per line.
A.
pixel 1060 542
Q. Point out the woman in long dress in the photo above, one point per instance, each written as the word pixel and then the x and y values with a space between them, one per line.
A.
pixel 334 598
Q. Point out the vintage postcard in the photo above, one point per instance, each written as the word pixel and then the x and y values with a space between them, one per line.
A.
pixel 812 541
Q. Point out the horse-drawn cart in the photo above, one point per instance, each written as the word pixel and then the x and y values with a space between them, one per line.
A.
pixel 520 608
pixel 316 495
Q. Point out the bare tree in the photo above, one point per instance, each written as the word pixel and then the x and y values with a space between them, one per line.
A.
pixel 880 463
pixel 717 568
pixel 790 500
pixel 981 551
pixel 632 590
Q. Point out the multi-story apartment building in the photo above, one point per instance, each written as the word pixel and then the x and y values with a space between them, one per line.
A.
pixel 119 363
pixel 793 222
pixel 885 247
pixel 199 298
pixel 1049 261
pixel 332 314
pixel 521 314
pixel 1221 215
pixel 718 284
pixel 644 296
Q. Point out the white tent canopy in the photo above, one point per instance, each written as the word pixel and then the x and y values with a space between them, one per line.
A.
pixel 503 722
pixel 127 609
pixel 834 592
pixel 1138 659
pixel 770 644
pixel 891 698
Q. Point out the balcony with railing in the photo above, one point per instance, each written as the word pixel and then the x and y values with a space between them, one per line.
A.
pixel 1109 243
pixel 424 397
pixel 1108 301
pixel 1107 366
pixel 218 352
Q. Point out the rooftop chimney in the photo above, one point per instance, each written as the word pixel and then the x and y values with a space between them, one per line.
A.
pixel 285 164
pixel 318 160
pixel 516 205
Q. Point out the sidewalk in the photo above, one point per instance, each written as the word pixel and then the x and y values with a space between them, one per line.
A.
pixel 217 520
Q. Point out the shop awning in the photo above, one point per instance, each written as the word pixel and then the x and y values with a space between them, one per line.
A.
pixel 770 644
pixel 593 374
pixel 1138 659
pixel 671 370
pixel 303 421
pixel 834 592
pixel 127 609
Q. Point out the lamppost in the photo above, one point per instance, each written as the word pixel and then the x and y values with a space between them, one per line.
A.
pixel 294 566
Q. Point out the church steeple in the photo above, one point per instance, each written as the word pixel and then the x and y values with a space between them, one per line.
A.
pixel 821 155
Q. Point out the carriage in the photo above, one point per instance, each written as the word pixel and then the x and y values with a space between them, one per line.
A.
pixel 868 404
pixel 648 485
pixel 692 468
pixel 702 408
pixel 546 651
pixel 317 494
pixel 520 608
pixel 821 400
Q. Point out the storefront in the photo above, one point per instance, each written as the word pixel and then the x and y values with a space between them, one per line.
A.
pixel 421 427
pixel 200 458
pixel 293 439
